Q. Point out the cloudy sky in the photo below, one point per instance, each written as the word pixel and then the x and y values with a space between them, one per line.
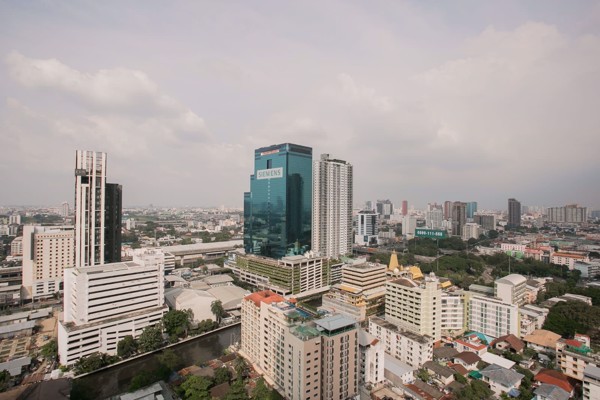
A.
pixel 431 101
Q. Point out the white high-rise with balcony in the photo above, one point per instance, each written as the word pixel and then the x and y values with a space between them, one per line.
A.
pixel 332 207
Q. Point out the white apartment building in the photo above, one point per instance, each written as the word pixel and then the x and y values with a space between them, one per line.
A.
pixel 591 382
pixel 316 359
pixel 531 318
pixel 408 347
pixel 105 303
pixel 434 218
pixel 332 207
pixel 47 252
pixel 371 352
pixel 16 246
pixel 409 225
pixel 415 305
pixel 90 198
pixel 453 312
pixel 366 228
pixel 568 258
pixel 513 247
pixel 471 230
pixel 511 289
pixel 589 270
pixel 365 275
pixel 492 316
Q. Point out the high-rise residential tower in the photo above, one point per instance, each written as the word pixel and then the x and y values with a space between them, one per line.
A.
pixel 97 222
pixel 459 217
pixel 514 213
pixel 385 208
pixel 332 207
pixel 278 208
pixel 471 209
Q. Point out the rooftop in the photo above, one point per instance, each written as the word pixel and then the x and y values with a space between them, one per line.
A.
pixel 266 296
pixel 335 322
pixel 553 377
pixel 505 377
pixel 551 392
pixel 512 279
pixel 542 337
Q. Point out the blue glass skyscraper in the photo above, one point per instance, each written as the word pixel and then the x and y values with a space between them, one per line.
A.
pixel 278 208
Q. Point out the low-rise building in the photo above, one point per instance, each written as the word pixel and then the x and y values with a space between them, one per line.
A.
pixel 105 303
pixel 531 318
pixel 542 340
pixel 440 374
pixel 501 380
pixel 408 347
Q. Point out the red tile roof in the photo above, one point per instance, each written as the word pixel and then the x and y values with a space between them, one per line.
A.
pixel 553 377
pixel 514 342
pixel 266 296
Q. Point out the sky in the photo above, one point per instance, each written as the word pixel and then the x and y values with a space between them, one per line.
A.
pixel 430 101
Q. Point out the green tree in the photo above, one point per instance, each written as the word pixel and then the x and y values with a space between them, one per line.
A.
pixel 423 375
pixel 93 362
pixel 4 380
pixel 177 322
pixel 150 339
pixel 50 349
pixel 196 388
pixel 237 391
pixel 126 347
pixel 261 391
pixel 216 307
pixel 170 359
pixel 477 390
pixel 222 375
pixel 241 367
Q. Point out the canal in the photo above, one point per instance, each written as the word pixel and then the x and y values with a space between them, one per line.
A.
pixel 116 379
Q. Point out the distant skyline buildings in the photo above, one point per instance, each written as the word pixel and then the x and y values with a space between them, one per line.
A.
pixel 278 207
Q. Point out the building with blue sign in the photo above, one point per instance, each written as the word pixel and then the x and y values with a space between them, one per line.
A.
pixel 278 207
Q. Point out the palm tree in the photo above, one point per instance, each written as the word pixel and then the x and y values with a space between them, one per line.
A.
pixel 216 307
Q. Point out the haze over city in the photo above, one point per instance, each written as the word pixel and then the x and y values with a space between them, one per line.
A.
pixel 430 102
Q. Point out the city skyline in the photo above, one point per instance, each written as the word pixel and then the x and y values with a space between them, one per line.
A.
pixel 427 104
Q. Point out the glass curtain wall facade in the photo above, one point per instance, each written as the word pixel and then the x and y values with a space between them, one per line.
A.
pixel 278 208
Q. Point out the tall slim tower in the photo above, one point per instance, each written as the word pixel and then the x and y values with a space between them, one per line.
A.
pixel 459 217
pixel 332 207
pixel 97 223
pixel 277 210
pixel 514 213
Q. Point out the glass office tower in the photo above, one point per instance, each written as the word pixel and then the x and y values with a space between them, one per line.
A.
pixel 277 210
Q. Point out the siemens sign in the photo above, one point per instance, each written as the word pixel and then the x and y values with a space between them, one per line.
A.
pixel 269 173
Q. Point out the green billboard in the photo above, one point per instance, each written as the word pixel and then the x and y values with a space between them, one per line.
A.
pixel 430 233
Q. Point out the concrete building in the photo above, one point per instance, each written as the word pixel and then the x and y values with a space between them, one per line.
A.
pixel 409 225
pixel 531 318
pixel 64 209
pixel 385 208
pixel 454 311
pixel 589 270
pixel 471 230
pixel 487 221
pixel 406 346
pixel 574 356
pixel 97 222
pixel 186 254
pixel 16 246
pixel 105 303
pixel 296 275
pixel 491 316
pixel 471 209
pixel 47 252
pixel 305 359
pixel 568 258
pixel 511 289
pixel 459 217
pixel 501 380
pixel 366 228
pixel 591 382
pixel 514 213
pixel 361 292
pixel 569 214
pixel 434 218
pixel 415 305
pixel 332 207
pixel 371 353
